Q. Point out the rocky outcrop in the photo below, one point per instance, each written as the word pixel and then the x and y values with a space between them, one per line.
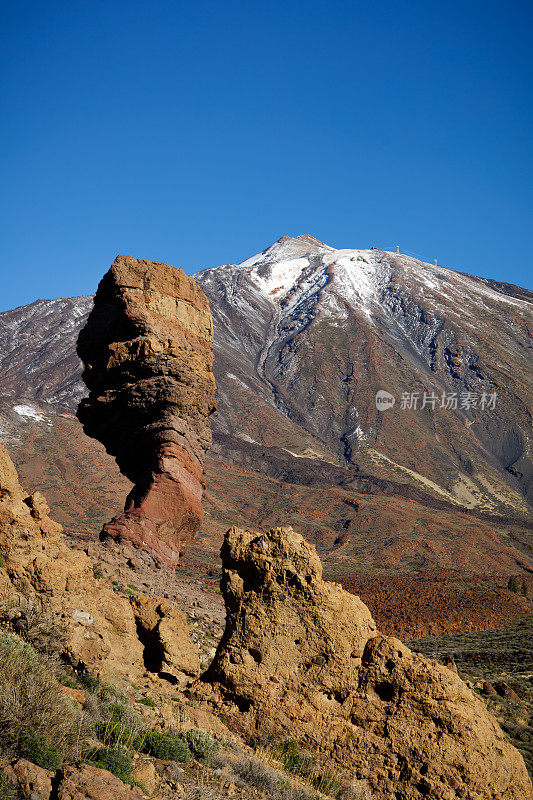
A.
pixel 112 636
pixel 302 658
pixel 91 783
pixel 147 351
pixel 32 781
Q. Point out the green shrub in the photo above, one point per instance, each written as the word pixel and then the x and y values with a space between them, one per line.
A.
pixel 201 744
pixel 2 561
pixel 305 765
pixel 124 712
pixel 39 750
pixel 255 772
pixel 11 643
pixel 66 680
pixel 115 733
pixel 288 752
pixel 116 760
pixel 512 584
pixel 121 728
pixel 40 630
pixel 110 693
pixel 89 682
pixel 327 783
pixel 8 790
pixel 147 701
pixel 523 589
pixel 167 746
pixel 117 711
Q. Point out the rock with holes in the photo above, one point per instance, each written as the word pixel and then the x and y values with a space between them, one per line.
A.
pixel 301 658
pixel 147 350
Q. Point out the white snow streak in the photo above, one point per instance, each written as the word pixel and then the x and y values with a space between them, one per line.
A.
pixel 29 412
pixel 281 276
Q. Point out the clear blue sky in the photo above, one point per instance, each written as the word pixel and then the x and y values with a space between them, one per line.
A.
pixel 199 132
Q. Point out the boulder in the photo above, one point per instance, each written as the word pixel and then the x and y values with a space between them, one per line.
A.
pixel 147 351
pixel 449 661
pixel 92 783
pixel 32 781
pixel 505 691
pixel 145 773
pixel 301 658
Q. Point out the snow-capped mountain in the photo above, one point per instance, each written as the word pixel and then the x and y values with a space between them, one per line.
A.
pixel 305 335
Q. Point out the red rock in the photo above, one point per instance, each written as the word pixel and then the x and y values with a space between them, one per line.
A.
pixel 147 351
pixel 505 691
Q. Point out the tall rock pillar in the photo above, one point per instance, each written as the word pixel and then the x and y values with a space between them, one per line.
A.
pixel 147 350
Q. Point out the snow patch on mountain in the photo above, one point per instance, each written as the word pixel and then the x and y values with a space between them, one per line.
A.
pixel 359 277
pixel 29 412
pixel 279 278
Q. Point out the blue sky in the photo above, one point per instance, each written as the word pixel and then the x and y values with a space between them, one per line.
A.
pixel 199 133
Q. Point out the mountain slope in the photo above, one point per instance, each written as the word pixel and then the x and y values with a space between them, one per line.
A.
pixel 305 335
pixel 313 333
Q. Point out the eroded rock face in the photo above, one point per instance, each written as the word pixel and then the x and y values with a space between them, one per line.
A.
pixel 110 635
pixel 147 351
pixel 302 658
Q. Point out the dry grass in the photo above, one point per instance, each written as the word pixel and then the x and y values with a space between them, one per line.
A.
pixel 31 699
pixel 258 772
pixel 27 619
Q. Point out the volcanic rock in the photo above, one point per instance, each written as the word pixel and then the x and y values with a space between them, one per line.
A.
pixel 301 658
pixel 165 631
pixel 147 351
pixel 505 691
pixel 107 633
pixel 449 661
pixel 31 780
pixel 489 689
pixel 91 783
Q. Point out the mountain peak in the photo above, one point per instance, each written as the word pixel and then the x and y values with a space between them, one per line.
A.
pixel 304 238
pixel 287 248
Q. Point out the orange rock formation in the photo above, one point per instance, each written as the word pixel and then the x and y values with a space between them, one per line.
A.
pixel 301 658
